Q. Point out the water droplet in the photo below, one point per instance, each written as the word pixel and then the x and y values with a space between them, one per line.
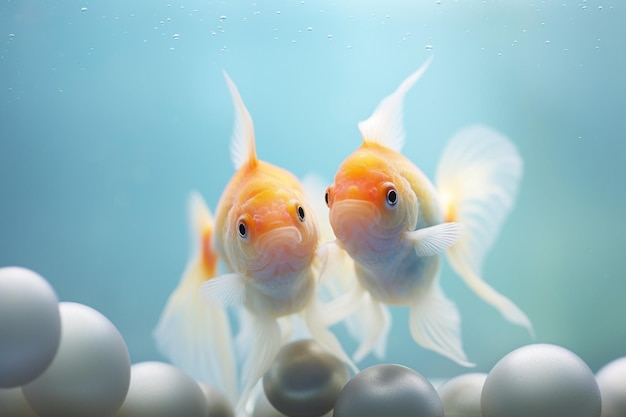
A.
pixel 309 29
pixel 83 9
pixel 176 36
pixel 429 47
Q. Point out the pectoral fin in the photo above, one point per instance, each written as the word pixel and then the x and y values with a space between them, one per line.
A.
pixel 433 240
pixel 224 290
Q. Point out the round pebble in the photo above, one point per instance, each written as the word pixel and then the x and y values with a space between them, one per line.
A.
pixel 219 406
pixel 30 326
pixel 388 390
pixel 540 380
pixel 460 396
pixel 263 408
pixel 90 374
pixel 159 389
pixel 304 380
pixel 612 382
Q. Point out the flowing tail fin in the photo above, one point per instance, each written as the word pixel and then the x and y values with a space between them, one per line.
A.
pixel 477 179
pixel 192 334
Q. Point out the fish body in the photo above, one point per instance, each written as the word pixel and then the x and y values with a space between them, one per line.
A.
pixel 267 236
pixel 193 335
pixel 395 224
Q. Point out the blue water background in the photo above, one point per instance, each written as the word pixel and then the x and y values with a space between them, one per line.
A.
pixel 112 112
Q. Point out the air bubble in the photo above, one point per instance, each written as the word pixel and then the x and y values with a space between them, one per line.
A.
pixel 429 47
pixel 309 29
pixel 83 9
pixel 330 37
pixel 222 18
pixel 176 36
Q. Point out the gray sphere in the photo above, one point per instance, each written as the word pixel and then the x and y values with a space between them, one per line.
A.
pixel 460 396
pixel 30 326
pixel 90 373
pixel 388 390
pixel 219 406
pixel 263 408
pixel 541 380
pixel 612 382
pixel 304 380
pixel 159 389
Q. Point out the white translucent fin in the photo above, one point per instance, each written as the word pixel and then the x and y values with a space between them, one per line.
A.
pixel 226 290
pixel 385 125
pixel 242 147
pixel 321 333
pixel 435 324
pixel 373 330
pixel 266 340
pixel 433 240
pixel 194 336
pixel 477 178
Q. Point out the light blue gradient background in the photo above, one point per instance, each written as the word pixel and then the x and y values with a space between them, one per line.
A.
pixel 107 122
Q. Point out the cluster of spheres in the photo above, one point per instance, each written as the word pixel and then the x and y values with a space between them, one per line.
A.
pixel 67 359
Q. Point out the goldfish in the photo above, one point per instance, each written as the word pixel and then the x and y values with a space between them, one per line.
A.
pixel 393 224
pixel 194 335
pixel 267 236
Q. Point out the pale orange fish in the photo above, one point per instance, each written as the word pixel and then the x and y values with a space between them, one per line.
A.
pixel 267 236
pixel 193 335
pixel 395 224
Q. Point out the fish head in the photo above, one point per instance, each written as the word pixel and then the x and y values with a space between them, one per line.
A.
pixel 370 203
pixel 273 234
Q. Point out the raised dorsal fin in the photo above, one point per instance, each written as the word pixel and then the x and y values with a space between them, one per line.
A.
pixel 385 125
pixel 242 147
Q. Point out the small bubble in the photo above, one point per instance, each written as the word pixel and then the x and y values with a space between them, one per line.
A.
pixel 429 47
pixel 222 18
pixel 583 7
pixel 293 41
pixel 330 37
pixel 245 19
pixel 407 34
pixel 547 42
pixel 161 22
pixel 349 47
pixel 11 36
pixel 172 48
pixel 176 36
pixel 60 90
pixel 83 9
pixel 169 5
pixel 599 7
pixel 387 16
pixel 438 1
pixel 309 29
pixel 277 11
pixel 213 33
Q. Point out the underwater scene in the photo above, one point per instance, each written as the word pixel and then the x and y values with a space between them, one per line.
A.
pixel 446 177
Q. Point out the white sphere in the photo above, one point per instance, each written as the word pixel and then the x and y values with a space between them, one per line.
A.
pixel 90 373
pixel 159 389
pixel 30 326
pixel 612 382
pixel 460 396
pixel 541 380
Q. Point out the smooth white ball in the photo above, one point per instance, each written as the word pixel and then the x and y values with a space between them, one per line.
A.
pixel 90 373
pixel 159 389
pixel 30 326
pixel 460 396
pixel 541 380
pixel 612 382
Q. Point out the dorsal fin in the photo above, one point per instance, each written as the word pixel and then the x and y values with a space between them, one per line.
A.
pixel 242 148
pixel 385 126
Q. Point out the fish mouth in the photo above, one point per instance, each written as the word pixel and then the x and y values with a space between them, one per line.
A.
pixel 282 250
pixel 351 217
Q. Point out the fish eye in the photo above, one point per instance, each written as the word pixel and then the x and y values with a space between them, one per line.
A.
pixel 300 211
pixel 392 197
pixel 327 196
pixel 242 229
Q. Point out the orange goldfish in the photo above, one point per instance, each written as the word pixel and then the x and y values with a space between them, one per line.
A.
pixel 395 224
pixel 267 236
